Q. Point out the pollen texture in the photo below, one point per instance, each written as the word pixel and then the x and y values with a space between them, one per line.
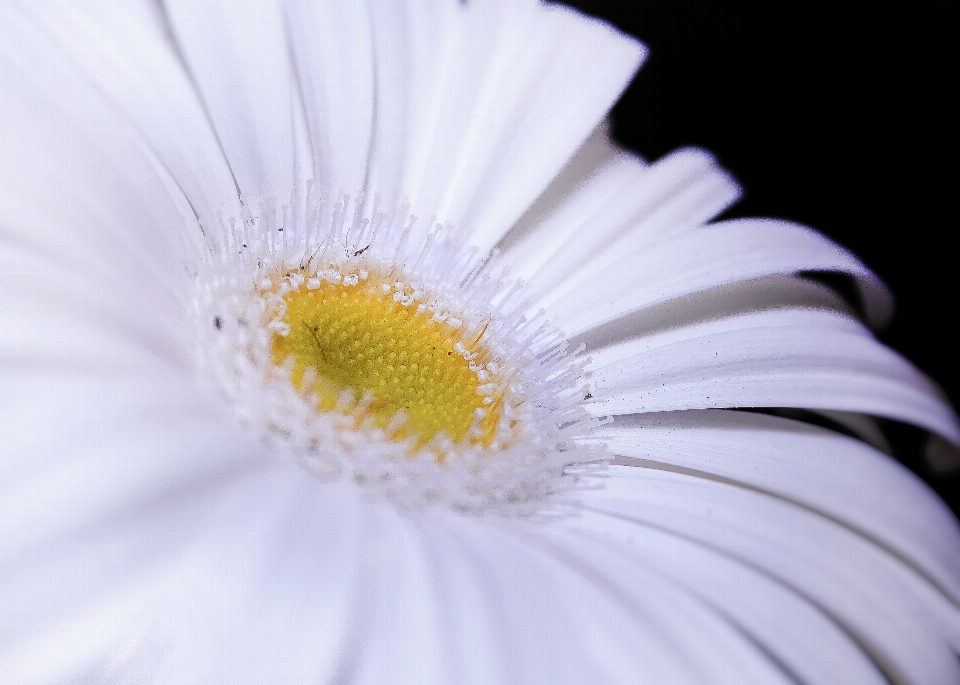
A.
pixel 360 337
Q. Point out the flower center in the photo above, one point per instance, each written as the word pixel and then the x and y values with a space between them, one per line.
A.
pixel 365 338
pixel 374 347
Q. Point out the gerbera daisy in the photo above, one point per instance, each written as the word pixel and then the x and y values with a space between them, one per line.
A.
pixel 341 345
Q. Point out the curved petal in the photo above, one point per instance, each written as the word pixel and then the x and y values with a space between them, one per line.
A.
pixel 622 207
pixel 333 57
pixel 908 628
pixel 255 572
pixel 792 631
pixel 184 552
pixel 65 321
pixel 76 243
pixel 123 52
pixel 420 115
pixel 564 71
pixel 105 480
pixel 781 358
pixel 770 293
pixel 832 475
pixel 239 59
pixel 596 153
pixel 112 440
pixel 717 255
pixel 715 652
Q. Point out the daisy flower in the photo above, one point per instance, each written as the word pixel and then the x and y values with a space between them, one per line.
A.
pixel 340 344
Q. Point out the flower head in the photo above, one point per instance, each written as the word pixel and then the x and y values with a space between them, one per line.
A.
pixel 340 344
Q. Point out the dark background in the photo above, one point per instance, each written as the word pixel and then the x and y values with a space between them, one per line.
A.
pixel 832 114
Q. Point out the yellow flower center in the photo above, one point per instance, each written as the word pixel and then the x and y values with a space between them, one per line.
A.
pixel 361 337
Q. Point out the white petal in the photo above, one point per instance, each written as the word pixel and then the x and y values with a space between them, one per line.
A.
pixel 333 55
pixel 239 58
pixel 123 52
pixel 595 154
pixel 692 641
pixel 726 301
pixel 65 318
pixel 213 565
pixel 107 445
pixel 621 207
pixel 785 358
pixel 132 509
pixel 64 128
pixel 906 625
pixel 838 477
pixel 401 47
pixel 801 638
pixel 714 256
pixel 105 480
pixel 564 72
pixel 76 243
pixel 421 110
pixel 274 577
pixel 281 587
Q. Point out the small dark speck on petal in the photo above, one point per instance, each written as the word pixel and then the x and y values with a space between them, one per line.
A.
pixel 217 322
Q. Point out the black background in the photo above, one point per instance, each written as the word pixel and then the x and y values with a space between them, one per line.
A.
pixel 836 115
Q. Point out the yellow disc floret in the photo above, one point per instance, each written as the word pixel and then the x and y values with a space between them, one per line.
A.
pixel 361 337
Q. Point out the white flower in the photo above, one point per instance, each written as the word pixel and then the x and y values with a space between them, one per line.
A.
pixel 177 508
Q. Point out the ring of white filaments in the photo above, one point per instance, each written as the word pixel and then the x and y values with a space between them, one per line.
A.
pixel 246 266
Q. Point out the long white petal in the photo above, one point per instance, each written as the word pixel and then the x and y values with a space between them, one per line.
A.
pixel 620 208
pixel 800 637
pixel 419 110
pixel 732 300
pixel 122 51
pixel 333 57
pixel 107 444
pixel 100 499
pixel 596 153
pixel 781 358
pixel 564 71
pixel 714 256
pixel 239 58
pixel 907 626
pixel 716 652
pixel 835 476
pixel 76 244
